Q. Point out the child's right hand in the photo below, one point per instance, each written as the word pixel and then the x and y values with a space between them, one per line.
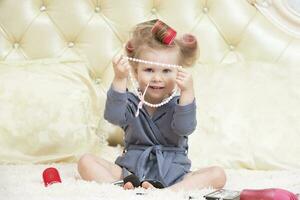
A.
pixel 121 67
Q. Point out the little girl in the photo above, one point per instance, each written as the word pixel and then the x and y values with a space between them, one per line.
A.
pixel 156 121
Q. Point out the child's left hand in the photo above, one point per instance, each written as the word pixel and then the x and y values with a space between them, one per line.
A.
pixel 184 80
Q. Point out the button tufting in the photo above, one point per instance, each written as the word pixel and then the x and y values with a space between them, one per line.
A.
pixel 97 9
pixel 153 10
pixel 205 10
pixel 97 81
pixel 16 45
pixel 71 44
pixel 231 47
pixel 43 8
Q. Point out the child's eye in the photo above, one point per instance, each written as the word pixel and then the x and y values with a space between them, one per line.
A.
pixel 148 70
pixel 167 71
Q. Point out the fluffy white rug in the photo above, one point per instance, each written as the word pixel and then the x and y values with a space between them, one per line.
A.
pixel 25 182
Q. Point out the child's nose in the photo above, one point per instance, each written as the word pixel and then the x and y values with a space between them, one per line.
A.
pixel 156 77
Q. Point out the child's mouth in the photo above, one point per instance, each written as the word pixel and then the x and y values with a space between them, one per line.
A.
pixel 156 87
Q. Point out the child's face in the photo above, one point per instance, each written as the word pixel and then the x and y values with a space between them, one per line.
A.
pixel 161 79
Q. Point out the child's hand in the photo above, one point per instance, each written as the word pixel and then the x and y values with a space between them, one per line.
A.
pixel 184 80
pixel 121 67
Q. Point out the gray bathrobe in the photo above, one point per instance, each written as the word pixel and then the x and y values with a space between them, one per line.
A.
pixel 155 146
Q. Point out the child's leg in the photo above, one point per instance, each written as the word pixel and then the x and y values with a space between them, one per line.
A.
pixel 207 177
pixel 92 168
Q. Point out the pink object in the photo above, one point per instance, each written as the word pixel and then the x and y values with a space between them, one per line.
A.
pixel 129 47
pixel 142 100
pixel 170 36
pixel 50 176
pixel 267 194
pixel 169 33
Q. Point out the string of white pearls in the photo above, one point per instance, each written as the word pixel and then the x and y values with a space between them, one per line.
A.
pixel 152 63
pixel 139 93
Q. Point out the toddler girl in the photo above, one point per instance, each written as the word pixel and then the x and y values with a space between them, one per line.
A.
pixel 156 120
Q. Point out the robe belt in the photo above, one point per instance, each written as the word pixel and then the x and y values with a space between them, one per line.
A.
pixel 153 148
pixel 163 163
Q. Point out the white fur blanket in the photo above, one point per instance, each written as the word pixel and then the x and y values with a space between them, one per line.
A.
pixel 25 182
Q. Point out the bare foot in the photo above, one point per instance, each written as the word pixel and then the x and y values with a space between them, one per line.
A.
pixel 147 185
pixel 128 186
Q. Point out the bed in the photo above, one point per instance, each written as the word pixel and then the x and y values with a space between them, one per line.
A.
pixel 55 69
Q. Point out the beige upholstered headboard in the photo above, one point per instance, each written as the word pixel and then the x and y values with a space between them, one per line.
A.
pixel 228 32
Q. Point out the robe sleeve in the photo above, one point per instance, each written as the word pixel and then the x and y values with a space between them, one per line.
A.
pixel 116 107
pixel 184 119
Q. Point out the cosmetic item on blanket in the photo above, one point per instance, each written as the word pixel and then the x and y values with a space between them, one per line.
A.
pixel 267 194
pixel 252 194
pixel 223 194
pixel 50 176
pixel 119 183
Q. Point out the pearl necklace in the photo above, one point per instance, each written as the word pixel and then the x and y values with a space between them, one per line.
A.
pixel 142 95
pixel 151 62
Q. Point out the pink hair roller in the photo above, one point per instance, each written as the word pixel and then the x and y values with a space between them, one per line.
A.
pixel 129 47
pixel 169 33
pixel 267 194
pixel 188 38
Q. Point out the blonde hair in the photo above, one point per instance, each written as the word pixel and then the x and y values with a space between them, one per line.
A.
pixel 143 37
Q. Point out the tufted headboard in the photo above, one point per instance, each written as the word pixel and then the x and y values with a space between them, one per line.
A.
pixel 228 32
